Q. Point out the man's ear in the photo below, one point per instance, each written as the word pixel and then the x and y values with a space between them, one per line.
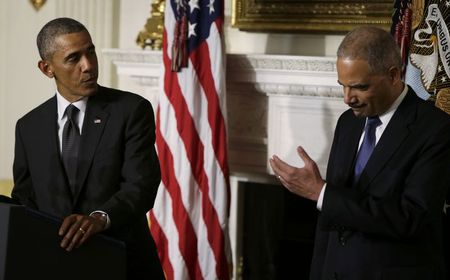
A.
pixel 46 68
pixel 395 74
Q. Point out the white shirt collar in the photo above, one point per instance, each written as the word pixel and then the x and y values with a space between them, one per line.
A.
pixel 63 103
pixel 386 117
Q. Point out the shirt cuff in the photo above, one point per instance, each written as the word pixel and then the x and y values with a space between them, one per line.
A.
pixel 320 200
pixel 108 221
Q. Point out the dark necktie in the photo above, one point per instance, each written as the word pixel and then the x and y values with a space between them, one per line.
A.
pixel 70 144
pixel 367 145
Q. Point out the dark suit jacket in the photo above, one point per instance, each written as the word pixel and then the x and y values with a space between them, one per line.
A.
pixel 118 169
pixel 389 224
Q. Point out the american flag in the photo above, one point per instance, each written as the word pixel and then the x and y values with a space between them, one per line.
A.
pixel 189 220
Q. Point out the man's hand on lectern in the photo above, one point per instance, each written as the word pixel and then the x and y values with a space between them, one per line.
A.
pixel 76 229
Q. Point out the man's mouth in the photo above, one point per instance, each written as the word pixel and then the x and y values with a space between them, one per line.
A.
pixel 356 106
pixel 90 80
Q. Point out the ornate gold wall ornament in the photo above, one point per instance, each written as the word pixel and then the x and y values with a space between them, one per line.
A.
pixel 152 34
pixel 443 100
pixel 37 4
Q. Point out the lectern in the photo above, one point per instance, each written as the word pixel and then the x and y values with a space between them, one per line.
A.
pixel 29 249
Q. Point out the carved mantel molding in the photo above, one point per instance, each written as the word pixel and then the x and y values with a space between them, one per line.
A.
pixel 272 74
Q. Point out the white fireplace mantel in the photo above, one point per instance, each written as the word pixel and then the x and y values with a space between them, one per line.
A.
pixel 274 104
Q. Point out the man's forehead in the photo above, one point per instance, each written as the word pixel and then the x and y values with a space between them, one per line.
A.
pixel 74 39
pixel 352 60
pixel 72 42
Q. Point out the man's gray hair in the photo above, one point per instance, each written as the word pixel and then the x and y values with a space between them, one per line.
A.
pixel 373 45
pixel 46 38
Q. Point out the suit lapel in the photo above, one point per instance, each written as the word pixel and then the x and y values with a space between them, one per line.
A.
pixel 50 131
pixel 94 123
pixel 393 136
pixel 347 152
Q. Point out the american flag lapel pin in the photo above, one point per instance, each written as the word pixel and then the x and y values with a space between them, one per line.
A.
pixel 97 120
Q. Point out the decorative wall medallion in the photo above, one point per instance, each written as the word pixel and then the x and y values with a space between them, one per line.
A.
pixel 37 4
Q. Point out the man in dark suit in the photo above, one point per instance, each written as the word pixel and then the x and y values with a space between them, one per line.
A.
pixel 388 172
pixel 87 154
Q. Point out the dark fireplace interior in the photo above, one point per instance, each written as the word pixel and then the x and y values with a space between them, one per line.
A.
pixel 278 233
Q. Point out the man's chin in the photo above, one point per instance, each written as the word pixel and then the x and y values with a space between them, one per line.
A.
pixel 90 89
pixel 358 112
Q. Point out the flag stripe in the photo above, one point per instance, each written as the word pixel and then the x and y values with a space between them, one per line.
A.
pixel 198 107
pixel 162 211
pixel 218 74
pixel 202 64
pixel 190 191
pixel 216 168
pixel 160 238
pixel 188 240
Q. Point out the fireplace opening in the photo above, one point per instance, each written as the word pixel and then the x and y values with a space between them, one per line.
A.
pixel 278 233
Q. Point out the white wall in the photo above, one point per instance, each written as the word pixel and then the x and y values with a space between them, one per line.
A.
pixel 3 121
pixel 22 87
pixel 132 18
pixel 112 23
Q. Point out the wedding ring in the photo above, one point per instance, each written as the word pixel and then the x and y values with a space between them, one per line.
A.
pixel 82 230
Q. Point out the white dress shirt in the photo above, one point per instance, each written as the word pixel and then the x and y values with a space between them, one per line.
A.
pixel 62 118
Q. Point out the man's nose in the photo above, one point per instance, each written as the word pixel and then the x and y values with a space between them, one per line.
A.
pixel 347 95
pixel 87 64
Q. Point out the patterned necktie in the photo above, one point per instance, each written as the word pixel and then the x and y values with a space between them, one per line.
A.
pixel 367 145
pixel 70 144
